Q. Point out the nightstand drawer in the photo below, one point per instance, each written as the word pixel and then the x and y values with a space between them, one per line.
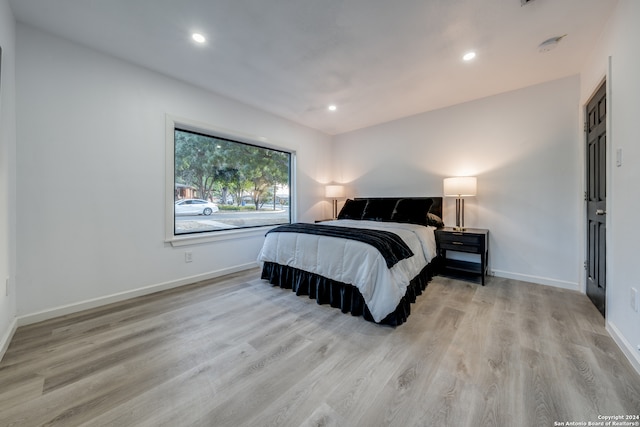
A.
pixel 462 247
pixel 461 238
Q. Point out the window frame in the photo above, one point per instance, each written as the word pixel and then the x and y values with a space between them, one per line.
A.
pixel 171 124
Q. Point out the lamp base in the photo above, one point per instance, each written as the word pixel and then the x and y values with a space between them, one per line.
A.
pixel 459 214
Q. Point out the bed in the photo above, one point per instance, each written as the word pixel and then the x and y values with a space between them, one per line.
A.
pixel 372 276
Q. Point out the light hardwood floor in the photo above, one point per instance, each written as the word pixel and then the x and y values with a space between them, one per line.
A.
pixel 237 352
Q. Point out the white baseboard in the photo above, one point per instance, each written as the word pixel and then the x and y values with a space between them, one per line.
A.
pixel 632 354
pixel 6 339
pixel 537 279
pixel 97 302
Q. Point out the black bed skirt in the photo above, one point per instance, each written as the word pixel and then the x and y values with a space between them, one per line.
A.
pixel 342 295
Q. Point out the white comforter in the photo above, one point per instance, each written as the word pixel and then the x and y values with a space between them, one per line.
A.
pixel 356 263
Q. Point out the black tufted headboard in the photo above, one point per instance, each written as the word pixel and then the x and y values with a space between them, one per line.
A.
pixel 436 207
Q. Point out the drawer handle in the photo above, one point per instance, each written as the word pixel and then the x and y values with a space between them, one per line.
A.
pixel 457 243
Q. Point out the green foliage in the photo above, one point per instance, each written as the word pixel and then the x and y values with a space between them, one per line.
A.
pixel 234 208
pixel 221 168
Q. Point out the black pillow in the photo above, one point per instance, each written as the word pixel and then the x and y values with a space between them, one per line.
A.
pixel 352 209
pixel 379 209
pixel 413 211
pixel 434 220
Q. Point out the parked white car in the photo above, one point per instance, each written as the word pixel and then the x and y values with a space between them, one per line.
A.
pixel 194 207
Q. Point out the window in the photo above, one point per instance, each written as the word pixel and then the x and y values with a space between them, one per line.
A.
pixel 223 183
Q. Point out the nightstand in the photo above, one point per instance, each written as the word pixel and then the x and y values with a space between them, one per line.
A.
pixel 470 240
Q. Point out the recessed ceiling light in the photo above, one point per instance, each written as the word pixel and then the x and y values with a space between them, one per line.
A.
pixel 199 38
pixel 332 108
pixel 469 56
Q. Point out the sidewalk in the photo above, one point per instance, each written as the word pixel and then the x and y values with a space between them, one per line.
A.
pixel 228 220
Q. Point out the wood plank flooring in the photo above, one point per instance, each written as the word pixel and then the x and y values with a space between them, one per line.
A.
pixel 236 351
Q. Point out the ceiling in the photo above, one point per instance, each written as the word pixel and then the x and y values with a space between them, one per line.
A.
pixel 376 60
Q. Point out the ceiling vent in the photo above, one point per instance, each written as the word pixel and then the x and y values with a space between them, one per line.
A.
pixel 549 44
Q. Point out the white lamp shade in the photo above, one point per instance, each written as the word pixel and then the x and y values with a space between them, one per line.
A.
pixel 334 191
pixel 460 186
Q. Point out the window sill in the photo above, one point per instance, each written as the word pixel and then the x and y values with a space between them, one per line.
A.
pixel 177 241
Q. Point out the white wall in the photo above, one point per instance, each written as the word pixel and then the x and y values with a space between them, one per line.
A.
pixel 619 43
pixel 524 148
pixel 7 175
pixel 91 174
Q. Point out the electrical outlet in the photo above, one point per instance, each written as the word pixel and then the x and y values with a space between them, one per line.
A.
pixel 188 256
pixel 633 299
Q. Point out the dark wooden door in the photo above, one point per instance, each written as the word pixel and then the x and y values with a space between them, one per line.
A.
pixel 596 195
